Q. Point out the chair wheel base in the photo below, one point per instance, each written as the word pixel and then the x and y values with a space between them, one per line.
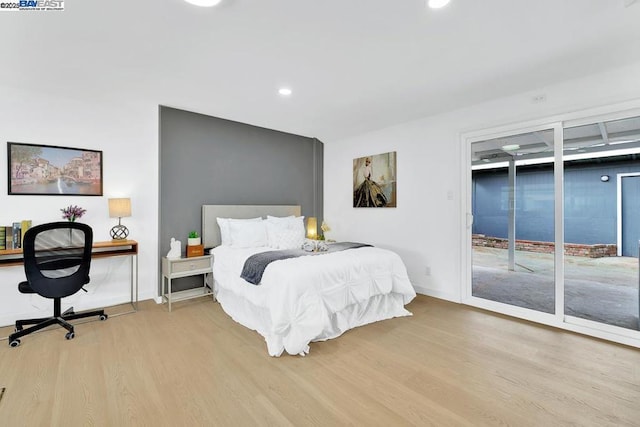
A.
pixel 14 343
pixel 70 335
pixel 104 317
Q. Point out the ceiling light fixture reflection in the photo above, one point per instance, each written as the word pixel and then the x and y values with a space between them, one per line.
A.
pixel 510 147
pixel 437 4
pixel 285 91
pixel 204 3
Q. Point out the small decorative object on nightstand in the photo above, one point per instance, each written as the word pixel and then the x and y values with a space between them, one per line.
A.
pixel 325 229
pixel 194 246
pixel 187 267
pixel 196 250
pixel 194 239
pixel 176 249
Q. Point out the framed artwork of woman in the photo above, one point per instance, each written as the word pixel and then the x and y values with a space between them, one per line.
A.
pixel 374 181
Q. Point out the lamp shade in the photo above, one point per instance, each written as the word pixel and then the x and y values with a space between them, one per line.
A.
pixel 119 208
pixel 312 227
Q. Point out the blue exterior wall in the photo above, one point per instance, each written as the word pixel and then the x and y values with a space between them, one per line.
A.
pixel 589 204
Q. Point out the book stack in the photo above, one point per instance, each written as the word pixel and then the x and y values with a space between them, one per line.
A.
pixel 11 235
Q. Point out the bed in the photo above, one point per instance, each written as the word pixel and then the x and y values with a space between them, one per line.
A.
pixel 303 299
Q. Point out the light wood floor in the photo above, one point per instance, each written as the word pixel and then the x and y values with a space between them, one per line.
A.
pixel 447 365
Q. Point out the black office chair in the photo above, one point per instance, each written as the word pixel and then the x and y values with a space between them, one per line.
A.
pixel 57 259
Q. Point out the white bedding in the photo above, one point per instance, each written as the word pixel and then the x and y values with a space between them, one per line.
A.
pixel 312 298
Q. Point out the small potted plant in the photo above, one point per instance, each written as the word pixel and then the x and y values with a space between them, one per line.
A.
pixel 194 238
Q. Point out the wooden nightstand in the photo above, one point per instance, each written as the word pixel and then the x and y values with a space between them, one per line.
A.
pixel 187 267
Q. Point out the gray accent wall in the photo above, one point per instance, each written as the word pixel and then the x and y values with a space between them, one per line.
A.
pixel 208 160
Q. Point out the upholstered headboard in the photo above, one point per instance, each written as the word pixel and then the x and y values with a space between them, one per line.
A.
pixel 211 231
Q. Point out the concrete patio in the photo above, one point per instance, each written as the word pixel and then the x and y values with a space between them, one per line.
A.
pixel 600 289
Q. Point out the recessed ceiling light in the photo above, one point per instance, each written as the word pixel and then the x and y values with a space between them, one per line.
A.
pixel 511 147
pixel 285 91
pixel 437 4
pixel 204 3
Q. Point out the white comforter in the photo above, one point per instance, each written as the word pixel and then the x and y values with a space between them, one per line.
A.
pixel 312 298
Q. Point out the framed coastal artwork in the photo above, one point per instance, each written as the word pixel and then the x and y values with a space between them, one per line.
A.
pixel 53 171
pixel 374 181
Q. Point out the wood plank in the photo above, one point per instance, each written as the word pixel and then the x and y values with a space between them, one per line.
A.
pixel 448 364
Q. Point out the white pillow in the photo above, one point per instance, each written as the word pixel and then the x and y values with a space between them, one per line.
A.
pixel 274 226
pixel 287 221
pixel 225 232
pixel 280 218
pixel 290 239
pixel 277 225
pixel 247 234
pixel 297 224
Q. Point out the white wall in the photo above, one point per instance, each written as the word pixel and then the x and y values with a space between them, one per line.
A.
pixel 425 229
pixel 127 133
pixel 427 226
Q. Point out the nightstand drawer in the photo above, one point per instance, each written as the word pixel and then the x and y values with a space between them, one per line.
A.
pixel 190 265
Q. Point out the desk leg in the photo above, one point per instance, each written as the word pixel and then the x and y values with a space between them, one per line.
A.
pixel 134 281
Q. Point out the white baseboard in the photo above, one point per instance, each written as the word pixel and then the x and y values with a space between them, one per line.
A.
pixel 436 293
pixel 47 310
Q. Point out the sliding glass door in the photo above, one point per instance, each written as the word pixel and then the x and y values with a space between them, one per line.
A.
pixel 602 221
pixel 513 232
pixel 553 225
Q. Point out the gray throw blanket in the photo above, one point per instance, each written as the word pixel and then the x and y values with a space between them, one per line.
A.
pixel 254 265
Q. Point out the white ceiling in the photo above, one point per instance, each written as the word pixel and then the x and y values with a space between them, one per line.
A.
pixel 354 65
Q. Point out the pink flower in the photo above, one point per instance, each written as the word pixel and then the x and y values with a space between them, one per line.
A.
pixel 72 212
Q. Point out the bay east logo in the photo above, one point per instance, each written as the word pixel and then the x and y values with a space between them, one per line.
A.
pixel 31 5
pixel 41 4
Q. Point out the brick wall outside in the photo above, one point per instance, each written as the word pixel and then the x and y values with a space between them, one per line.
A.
pixel 590 251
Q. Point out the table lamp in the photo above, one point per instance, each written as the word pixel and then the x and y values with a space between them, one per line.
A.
pixel 119 208
pixel 312 228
